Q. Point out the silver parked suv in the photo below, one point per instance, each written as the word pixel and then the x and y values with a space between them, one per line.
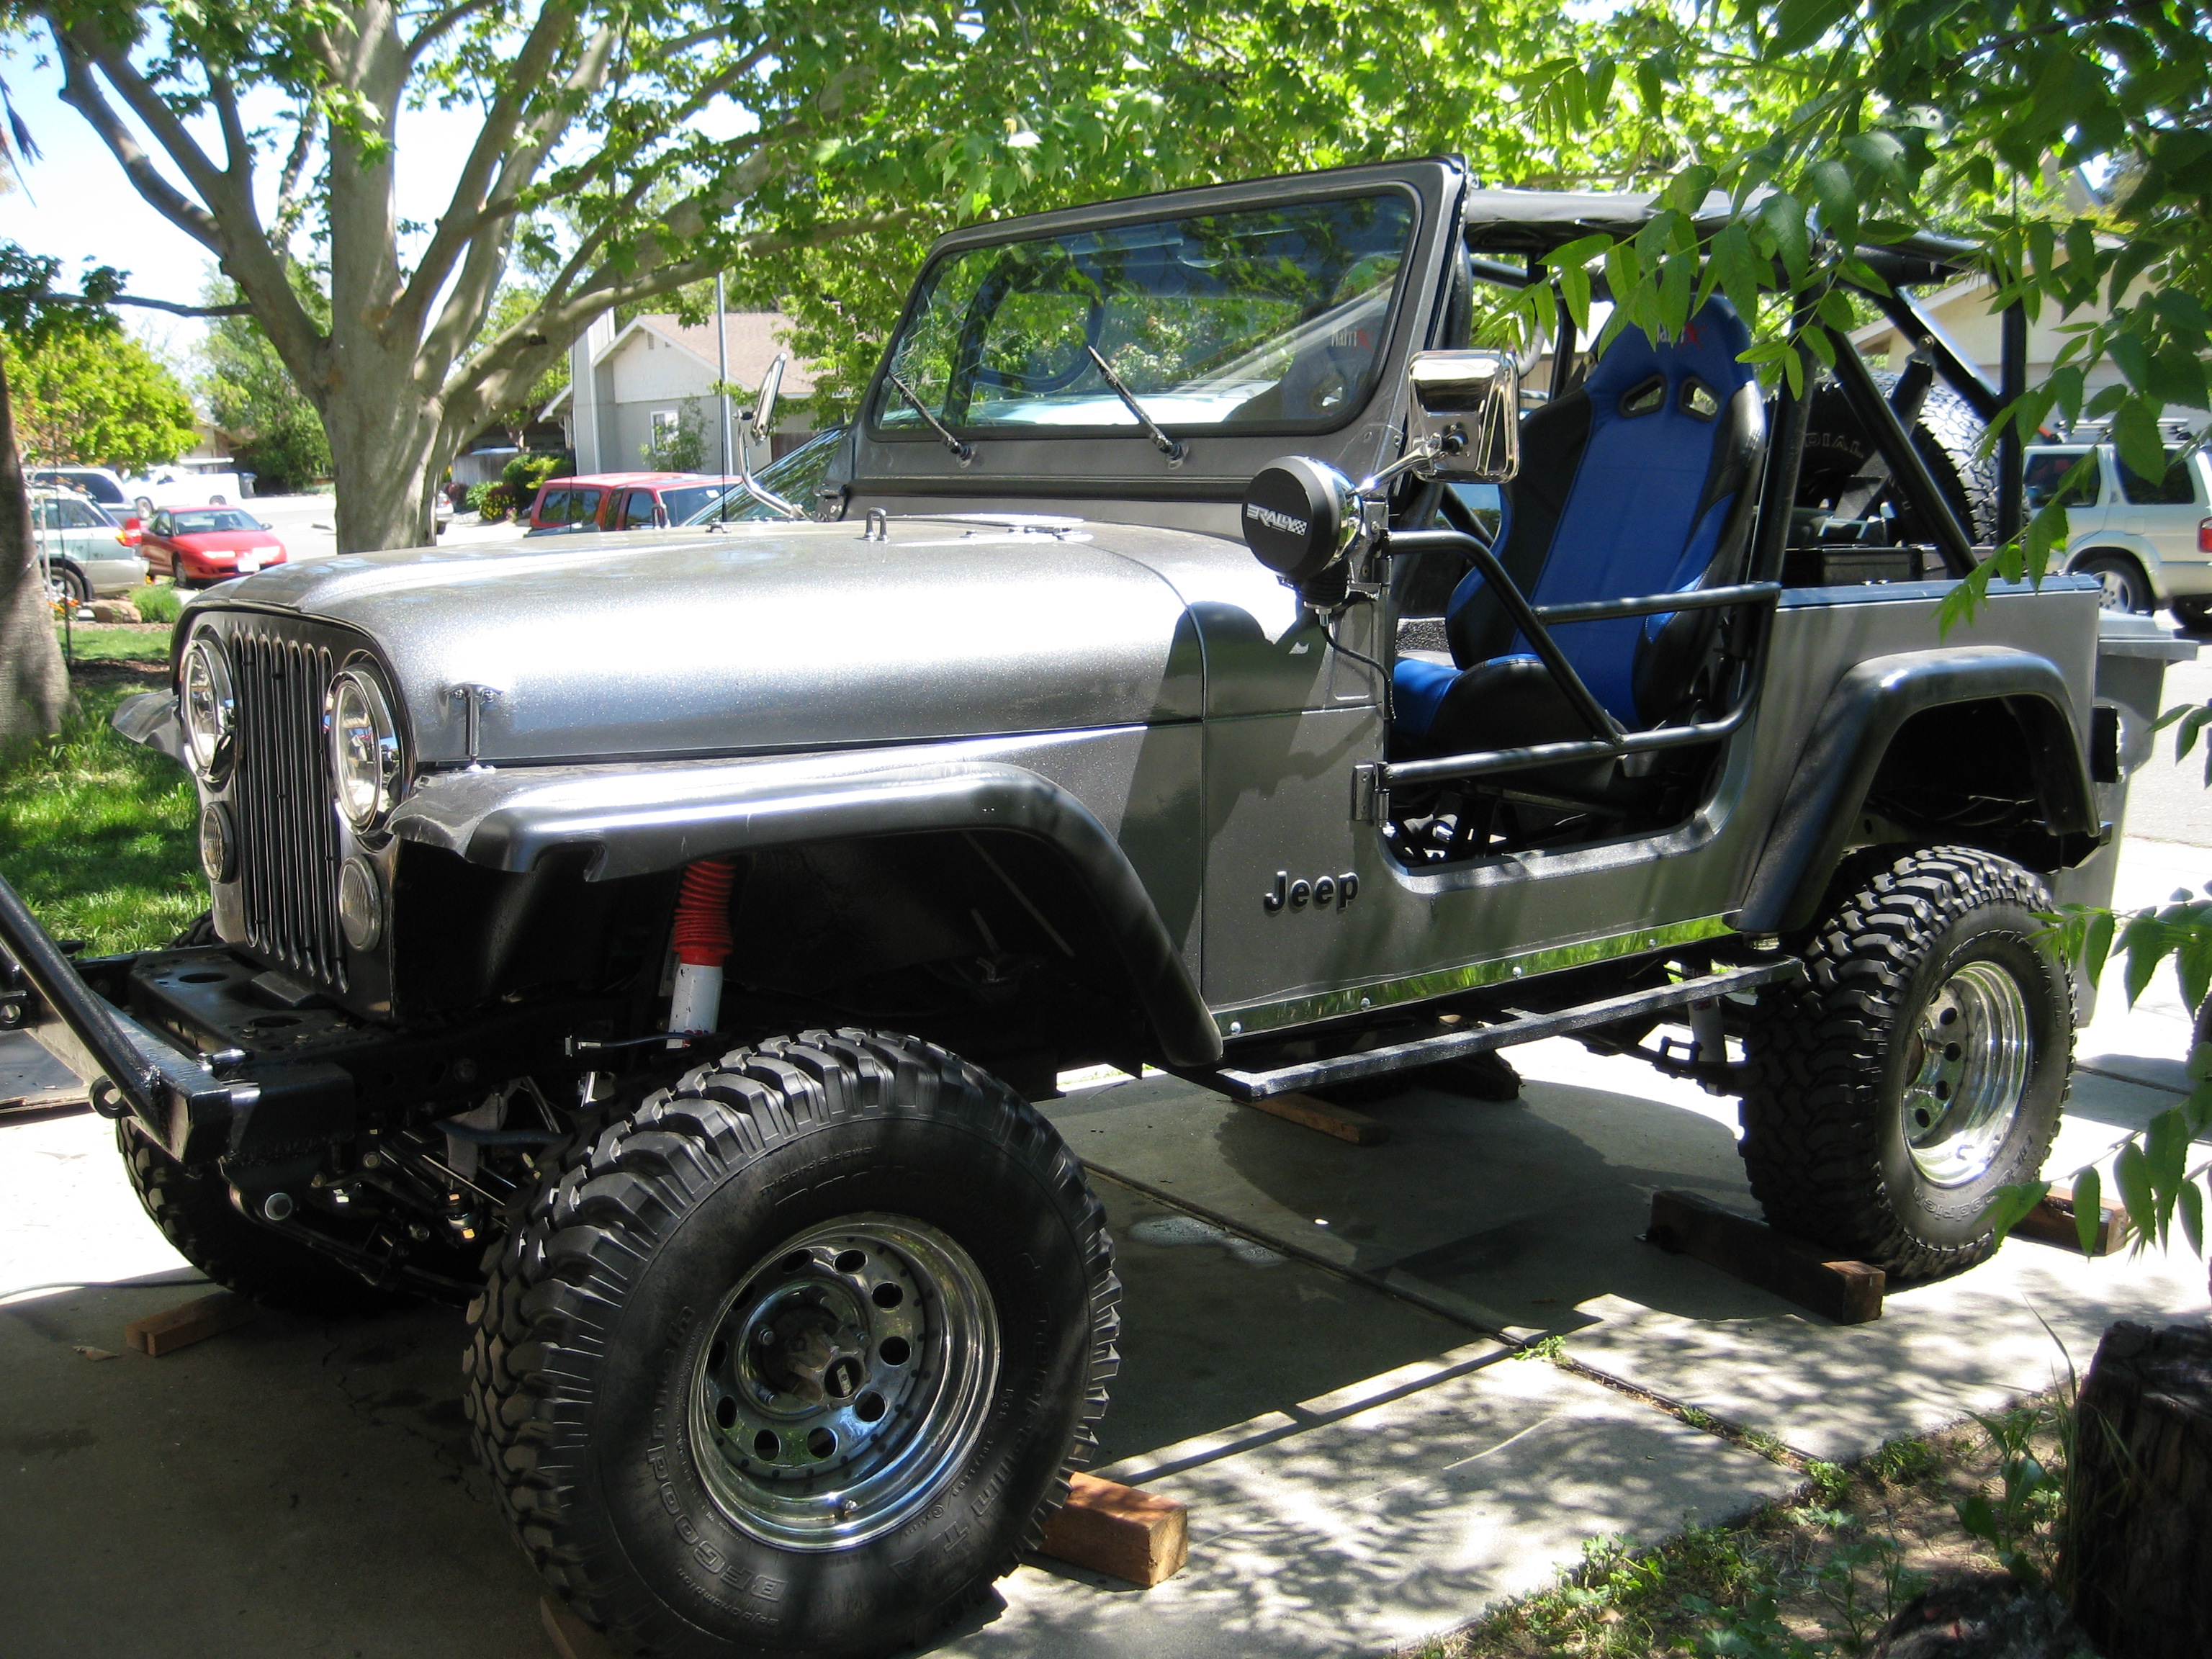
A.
pixel 2148 541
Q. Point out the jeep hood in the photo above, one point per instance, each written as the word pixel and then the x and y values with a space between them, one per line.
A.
pixel 767 636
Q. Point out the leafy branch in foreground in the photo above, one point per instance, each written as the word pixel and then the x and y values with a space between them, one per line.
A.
pixel 2154 1180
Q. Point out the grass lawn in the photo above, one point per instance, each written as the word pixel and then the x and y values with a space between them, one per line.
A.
pixel 117 642
pixel 95 833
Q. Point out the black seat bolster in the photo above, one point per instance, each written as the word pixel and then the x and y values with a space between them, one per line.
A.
pixel 1667 665
pixel 1552 440
pixel 1510 702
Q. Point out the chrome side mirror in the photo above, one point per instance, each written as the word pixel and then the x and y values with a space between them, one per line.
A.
pixel 1464 413
pixel 762 419
pixel 764 405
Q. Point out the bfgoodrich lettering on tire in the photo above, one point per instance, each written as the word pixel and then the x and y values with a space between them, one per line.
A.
pixel 1922 1064
pixel 795 1358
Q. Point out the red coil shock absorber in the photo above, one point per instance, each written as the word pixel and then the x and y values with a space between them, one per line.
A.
pixel 702 942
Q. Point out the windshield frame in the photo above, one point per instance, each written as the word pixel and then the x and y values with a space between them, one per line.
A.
pixel 1155 210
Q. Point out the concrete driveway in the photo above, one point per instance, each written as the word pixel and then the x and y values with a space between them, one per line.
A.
pixel 1310 1360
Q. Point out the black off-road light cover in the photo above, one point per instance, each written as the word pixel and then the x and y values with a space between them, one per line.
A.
pixel 1299 517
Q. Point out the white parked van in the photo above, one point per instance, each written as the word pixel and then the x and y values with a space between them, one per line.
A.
pixel 2148 540
pixel 183 484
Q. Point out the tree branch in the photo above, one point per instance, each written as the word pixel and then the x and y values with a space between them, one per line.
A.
pixel 291 203
pixel 458 227
pixel 241 309
pixel 82 92
pixel 439 25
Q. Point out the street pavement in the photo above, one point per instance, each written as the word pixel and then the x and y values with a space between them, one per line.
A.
pixel 1311 1359
pixel 307 526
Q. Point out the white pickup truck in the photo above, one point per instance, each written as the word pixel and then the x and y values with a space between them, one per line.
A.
pixel 183 484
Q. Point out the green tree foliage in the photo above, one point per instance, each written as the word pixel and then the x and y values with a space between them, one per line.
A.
pixel 34 693
pixel 682 446
pixel 1887 121
pixel 599 163
pixel 98 398
pixel 250 393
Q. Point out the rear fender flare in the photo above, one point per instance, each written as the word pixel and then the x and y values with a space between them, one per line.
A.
pixel 1862 715
pixel 646 820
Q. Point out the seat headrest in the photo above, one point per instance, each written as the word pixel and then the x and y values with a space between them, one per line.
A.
pixel 1635 377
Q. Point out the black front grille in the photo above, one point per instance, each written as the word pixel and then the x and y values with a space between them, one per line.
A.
pixel 281 797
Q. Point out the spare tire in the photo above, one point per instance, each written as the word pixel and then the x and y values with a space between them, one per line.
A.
pixel 1837 448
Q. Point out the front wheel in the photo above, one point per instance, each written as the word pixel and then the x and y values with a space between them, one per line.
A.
pixel 795 1358
pixel 1921 1065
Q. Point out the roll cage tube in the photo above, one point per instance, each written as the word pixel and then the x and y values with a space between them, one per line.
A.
pixel 1535 223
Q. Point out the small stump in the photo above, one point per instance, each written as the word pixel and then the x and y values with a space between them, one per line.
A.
pixel 2139 1544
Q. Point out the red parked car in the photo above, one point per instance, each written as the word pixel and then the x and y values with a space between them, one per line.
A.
pixel 198 545
pixel 622 501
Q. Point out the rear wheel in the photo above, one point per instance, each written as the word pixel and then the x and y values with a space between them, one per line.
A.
pixel 797 1356
pixel 68 582
pixel 2194 615
pixel 2126 588
pixel 1921 1065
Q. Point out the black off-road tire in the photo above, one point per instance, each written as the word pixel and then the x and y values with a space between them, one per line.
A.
pixel 1837 448
pixel 602 1306
pixel 1825 1136
pixel 192 1208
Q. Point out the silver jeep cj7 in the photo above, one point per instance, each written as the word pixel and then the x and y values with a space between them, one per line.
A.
pixel 1194 658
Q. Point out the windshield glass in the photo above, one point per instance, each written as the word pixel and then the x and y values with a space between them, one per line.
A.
pixel 1269 315
pixel 213 520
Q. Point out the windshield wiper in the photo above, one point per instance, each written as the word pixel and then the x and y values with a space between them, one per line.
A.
pixel 960 451
pixel 1170 447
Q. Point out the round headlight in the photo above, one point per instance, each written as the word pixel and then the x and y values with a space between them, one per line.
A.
pixel 364 747
pixel 208 708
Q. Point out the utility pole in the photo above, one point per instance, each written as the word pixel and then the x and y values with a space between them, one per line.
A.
pixel 722 375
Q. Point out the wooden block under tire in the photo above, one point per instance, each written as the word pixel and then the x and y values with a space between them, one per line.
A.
pixel 2051 1222
pixel 1848 1293
pixel 1119 1531
pixel 571 1637
pixel 195 1321
pixel 1341 1122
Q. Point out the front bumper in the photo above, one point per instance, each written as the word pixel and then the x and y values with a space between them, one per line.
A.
pixel 213 1056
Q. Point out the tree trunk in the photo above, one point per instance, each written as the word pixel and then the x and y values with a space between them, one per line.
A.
pixel 34 689
pixel 2139 1527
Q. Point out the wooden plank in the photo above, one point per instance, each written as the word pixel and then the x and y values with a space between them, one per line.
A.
pixel 1119 1531
pixel 2051 1222
pixel 569 1637
pixel 1341 1122
pixel 195 1321
pixel 1848 1293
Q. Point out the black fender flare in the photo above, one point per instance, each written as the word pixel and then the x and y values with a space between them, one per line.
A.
pixel 1869 706
pixel 642 820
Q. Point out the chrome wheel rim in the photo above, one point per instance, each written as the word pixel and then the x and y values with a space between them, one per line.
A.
pixel 1968 1072
pixel 844 1382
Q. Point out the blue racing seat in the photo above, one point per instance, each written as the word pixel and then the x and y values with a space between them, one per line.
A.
pixel 1637 482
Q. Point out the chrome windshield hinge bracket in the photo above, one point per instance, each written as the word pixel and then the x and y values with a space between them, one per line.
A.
pixel 1371 801
pixel 474 700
